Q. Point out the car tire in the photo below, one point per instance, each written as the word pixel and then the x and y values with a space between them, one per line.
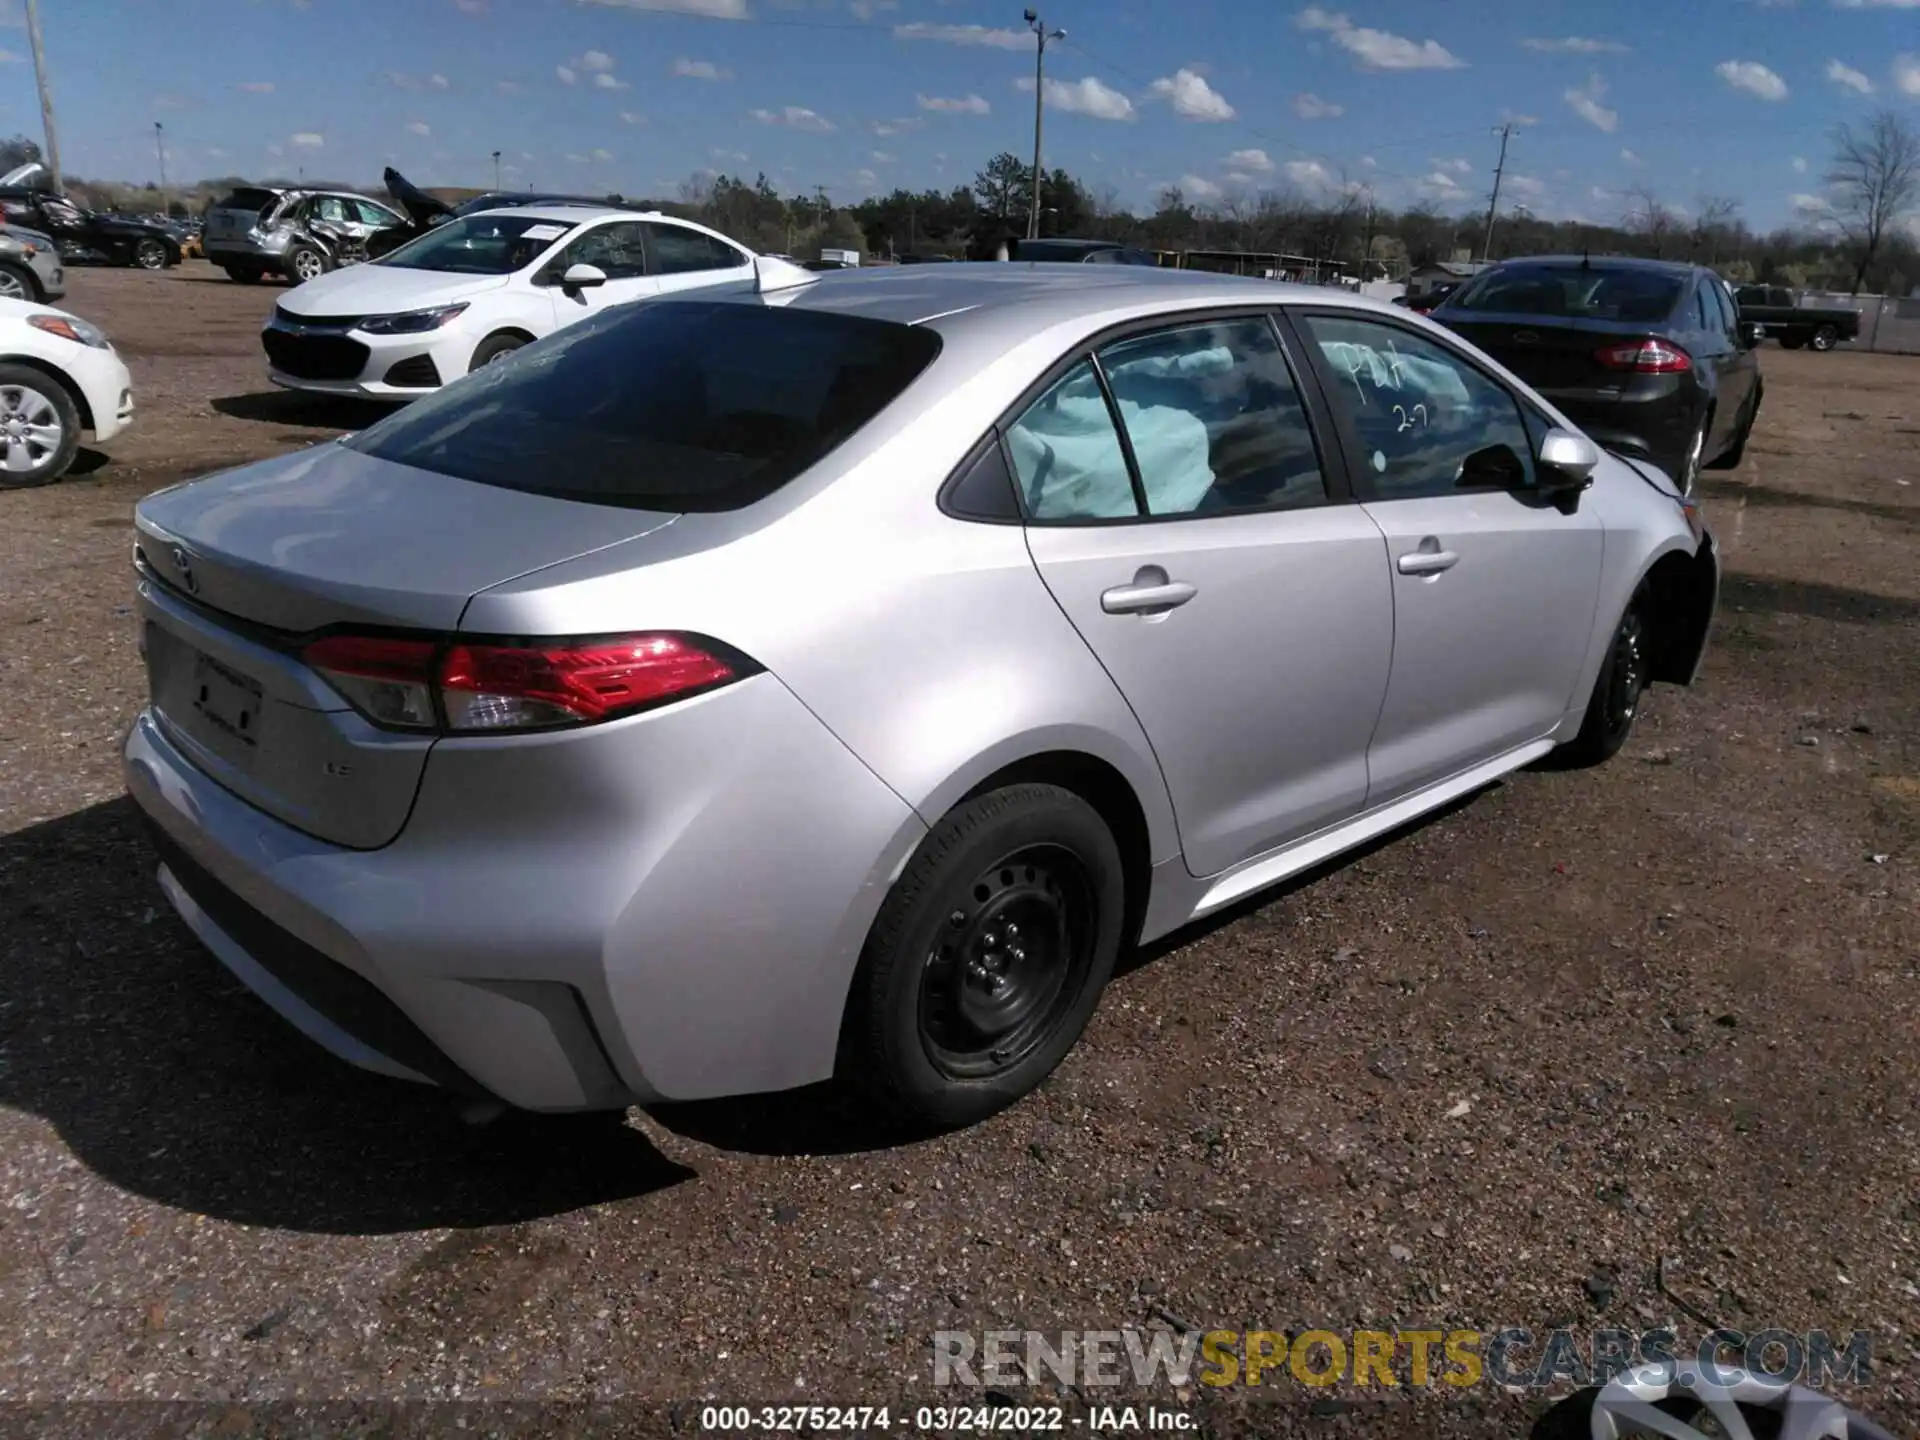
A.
pixel 1825 338
pixel 1736 452
pixel 19 283
pixel 956 1011
pixel 305 263
pixel 150 255
pixel 241 275
pixel 1792 342
pixel 495 347
pixel 39 428
pixel 1617 692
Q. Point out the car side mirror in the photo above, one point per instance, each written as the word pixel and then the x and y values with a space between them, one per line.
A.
pixel 1495 467
pixel 1751 333
pixel 1567 461
pixel 583 277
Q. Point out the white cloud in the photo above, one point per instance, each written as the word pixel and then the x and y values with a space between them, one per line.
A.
pixel 1810 205
pixel 865 179
pixel 256 87
pixel 1906 74
pixel 1255 160
pixel 565 72
pixel 1306 172
pixel 1190 95
pixel 1083 97
pixel 1309 106
pixel 596 60
pixel 795 117
pixel 739 155
pixel 966 35
pixel 867 9
pixel 1630 157
pixel 1876 4
pixel 1369 162
pixel 437 82
pixel 712 9
pixel 1752 77
pixel 1198 187
pixel 1848 78
pixel 632 117
pixel 1441 183
pixel 419 127
pixel 508 87
pixel 700 70
pixel 963 105
pixel 1586 104
pixel 886 129
pixel 606 80
pixel 307 140
pixel 1799 164
pixel 1575 45
pixel 603 155
pixel 883 157
pixel 1455 165
pixel 1379 49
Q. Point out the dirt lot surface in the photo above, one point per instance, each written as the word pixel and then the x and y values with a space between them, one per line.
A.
pixel 1492 1073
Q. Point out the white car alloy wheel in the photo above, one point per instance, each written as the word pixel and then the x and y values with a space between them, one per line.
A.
pixel 12 287
pixel 307 263
pixel 150 255
pixel 31 431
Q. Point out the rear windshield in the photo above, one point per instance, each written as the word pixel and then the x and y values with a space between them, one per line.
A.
pixel 248 197
pixel 1597 292
pixel 666 405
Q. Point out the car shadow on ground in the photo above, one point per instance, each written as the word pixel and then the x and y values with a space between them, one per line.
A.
pixel 165 1076
pixel 303 409
pixel 1764 497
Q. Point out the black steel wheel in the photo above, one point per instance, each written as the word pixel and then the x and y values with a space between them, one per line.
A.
pixel 987 958
pixel 1617 692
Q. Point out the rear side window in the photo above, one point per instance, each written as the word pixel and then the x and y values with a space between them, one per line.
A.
pixel 249 197
pixel 668 405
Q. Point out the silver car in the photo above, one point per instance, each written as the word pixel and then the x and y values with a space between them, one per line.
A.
pixel 833 677
pixel 30 267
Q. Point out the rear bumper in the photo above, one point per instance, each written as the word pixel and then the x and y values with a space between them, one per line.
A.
pixel 669 907
pixel 1658 425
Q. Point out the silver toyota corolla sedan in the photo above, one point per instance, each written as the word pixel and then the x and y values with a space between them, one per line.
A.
pixel 833 677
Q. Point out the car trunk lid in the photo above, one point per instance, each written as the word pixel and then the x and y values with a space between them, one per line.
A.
pixel 234 215
pixel 1549 352
pixel 240 570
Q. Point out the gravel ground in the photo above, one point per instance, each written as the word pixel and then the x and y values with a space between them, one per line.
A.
pixel 1491 1073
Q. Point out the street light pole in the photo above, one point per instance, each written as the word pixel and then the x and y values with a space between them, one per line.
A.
pixel 46 95
pixel 1042 34
pixel 496 169
pixel 160 152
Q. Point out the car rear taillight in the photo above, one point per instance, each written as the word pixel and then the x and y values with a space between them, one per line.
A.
pixel 1645 357
pixel 465 687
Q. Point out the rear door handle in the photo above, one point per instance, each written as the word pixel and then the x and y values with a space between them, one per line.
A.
pixel 1427 562
pixel 1163 595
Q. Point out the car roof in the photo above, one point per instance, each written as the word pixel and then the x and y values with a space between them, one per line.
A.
pixel 567 213
pixel 1014 296
pixel 1612 262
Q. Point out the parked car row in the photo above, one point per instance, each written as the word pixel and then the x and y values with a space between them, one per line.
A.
pixel 84 236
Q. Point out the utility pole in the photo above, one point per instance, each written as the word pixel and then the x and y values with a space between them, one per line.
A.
pixel 46 95
pixel 1366 249
pixel 1039 28
pixel 160 152
pixel 1493 207
pixel 496 169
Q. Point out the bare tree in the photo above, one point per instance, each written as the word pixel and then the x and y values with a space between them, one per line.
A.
pixel 1874 182
pixel 1713 218
pixel 1650 216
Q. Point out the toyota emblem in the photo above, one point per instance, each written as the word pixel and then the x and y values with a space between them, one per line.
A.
pixel 183 565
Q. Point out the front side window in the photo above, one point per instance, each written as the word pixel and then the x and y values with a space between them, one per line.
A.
pixel 669 406
pixel 479 245
pixel 1215 419
pixel 1066 454
pixel 330 208
pixel 619 249
pixel 679 251
pixel 1427 422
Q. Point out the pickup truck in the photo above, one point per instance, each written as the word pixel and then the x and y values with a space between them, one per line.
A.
pixel 1777 311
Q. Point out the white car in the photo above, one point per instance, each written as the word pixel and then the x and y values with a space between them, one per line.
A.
pixel 59 378
pixel 479 287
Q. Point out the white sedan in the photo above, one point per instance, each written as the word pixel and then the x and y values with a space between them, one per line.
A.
pixel 59 378
pixel 479 287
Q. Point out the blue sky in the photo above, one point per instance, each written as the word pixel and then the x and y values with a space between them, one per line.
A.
pixel 1730 97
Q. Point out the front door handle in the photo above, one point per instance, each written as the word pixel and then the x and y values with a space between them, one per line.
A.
pixel 1427 562
pixel 1147 592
